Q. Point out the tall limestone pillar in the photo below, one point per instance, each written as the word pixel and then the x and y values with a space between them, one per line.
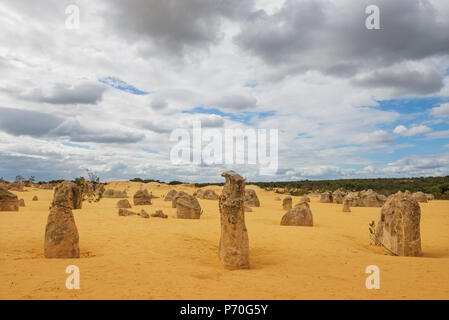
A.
pixel 61 234
pixel 234 245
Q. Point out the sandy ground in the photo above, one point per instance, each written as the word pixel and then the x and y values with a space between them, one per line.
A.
pixel 135 258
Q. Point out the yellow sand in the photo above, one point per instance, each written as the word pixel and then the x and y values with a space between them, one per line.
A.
pixel 135 258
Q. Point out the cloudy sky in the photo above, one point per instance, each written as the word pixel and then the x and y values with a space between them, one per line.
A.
pixel 347 101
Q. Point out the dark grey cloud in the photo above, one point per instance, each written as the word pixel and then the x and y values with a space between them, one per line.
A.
pixel 25 122
pixel 236 102
pixel 174 25
pixel 38 124
pixel 317 35
pixel 84 93
pixel 154 126
pixel 77 132
pixel 403 81
pixel 158 104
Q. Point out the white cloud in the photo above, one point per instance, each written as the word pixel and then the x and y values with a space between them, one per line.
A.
pixel 442 110
pixel 413 131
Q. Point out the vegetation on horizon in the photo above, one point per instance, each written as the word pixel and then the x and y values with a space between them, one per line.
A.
pixel 438 186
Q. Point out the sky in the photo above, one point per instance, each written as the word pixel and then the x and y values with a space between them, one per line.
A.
pixel 347 102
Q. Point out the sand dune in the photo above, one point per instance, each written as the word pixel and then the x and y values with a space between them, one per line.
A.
pixel 135 258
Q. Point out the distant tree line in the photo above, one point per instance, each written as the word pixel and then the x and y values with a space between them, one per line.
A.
pixel 438 186
pixel 172 183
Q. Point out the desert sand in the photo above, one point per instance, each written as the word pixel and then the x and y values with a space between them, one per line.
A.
pixel 135 258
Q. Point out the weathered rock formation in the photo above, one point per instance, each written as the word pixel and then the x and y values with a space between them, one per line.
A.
pixel 46 186
pixel 61 234
pixel 337 196
pixel 353 199
pixel 159 214
pixel 91 190
pixel 277 199
pixel 110 193
pixel 370 198
pixel 299 215
pixel 398 229
pixel 170 195
pixel 419 196
pixel 125 212
pixel 123 204
pixel 326 197
pixel 8 200
pixel 365 198
pixel 144 214
pixel 16 186
pixel 187 207
pixel 72 192
pixel 251 199
pixel 142 197
pixel 305 198
pixel 234 245
pixel 287 203
pixel 176 196
pixel 21 203
pixel 430 196
pixel 206 194
pixel 35 198
pixel 346 207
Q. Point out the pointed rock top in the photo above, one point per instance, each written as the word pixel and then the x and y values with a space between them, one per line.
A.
pixel 232 175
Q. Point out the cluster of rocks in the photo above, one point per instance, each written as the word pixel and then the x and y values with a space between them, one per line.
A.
pixel 46 186
pixel 398 229
pixel 111 193
pixel 123 212
pixel 206 194
pixel 16 186
pixel 141 197
pixel 365 198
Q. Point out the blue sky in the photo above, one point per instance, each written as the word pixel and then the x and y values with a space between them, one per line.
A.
pixel 121 85
pixel 247 117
